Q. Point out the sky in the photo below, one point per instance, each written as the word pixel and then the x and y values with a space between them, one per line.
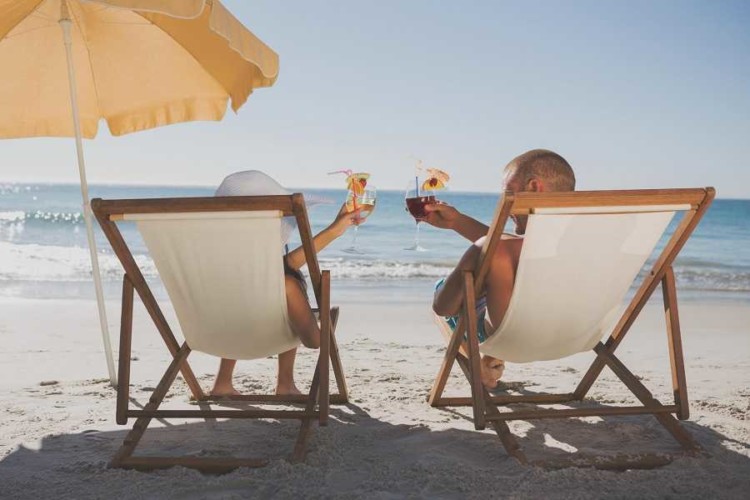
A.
pixel 635 94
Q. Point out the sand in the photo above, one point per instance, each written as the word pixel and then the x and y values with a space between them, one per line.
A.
pixel 57 429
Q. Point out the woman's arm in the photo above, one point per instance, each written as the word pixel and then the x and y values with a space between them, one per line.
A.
pixel 296 258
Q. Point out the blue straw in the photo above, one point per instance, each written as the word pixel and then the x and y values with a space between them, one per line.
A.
pixel 416 183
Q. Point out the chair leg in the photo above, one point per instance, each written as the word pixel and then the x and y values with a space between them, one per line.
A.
pixel 475 380
pixel 679 383
pixel 445 368
pixel 300 447
pixel 124 459
pixel 512 448
pixel 134 436
pixel 126 338
pixel 644 396
pixel 325 344
pixel 338 368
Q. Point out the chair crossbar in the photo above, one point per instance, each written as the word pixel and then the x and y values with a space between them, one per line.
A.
pixel 508 400
pixel 581 412
pixel 275 414
pixel 270 398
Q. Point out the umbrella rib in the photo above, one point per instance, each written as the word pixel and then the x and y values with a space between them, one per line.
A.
pixel 91 63
pixel 35 10
pixel 30 30
pixel 124 23
pixel 39 15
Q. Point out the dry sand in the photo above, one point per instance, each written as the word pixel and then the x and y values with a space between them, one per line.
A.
pixel 57 427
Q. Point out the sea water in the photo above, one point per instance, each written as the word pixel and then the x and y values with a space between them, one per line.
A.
pixel 43 246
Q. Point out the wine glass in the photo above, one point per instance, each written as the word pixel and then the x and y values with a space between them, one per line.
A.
pixel 416 198
pixel 365 201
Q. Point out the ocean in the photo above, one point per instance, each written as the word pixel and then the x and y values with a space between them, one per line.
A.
pixel 43 250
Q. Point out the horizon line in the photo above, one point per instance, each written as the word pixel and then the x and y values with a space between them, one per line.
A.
pixel 207 186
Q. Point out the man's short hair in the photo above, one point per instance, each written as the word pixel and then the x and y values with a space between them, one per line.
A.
pixel 545 165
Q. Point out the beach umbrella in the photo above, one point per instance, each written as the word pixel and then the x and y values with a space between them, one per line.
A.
pixel 137 64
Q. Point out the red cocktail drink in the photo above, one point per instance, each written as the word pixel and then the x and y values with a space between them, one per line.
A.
pixel 416 205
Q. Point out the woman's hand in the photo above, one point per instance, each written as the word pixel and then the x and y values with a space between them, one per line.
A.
pixel 296 258
pixel 344 219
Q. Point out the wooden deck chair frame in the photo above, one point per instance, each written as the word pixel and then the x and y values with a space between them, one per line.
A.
pixel 316 402
pixel 485 406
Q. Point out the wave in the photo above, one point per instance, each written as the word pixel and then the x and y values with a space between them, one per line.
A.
pixel 34 262
pixel 45 263
pixel 43 216
pixel 378 269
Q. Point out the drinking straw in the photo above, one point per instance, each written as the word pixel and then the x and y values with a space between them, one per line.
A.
pixel 416 183
pixel 347 172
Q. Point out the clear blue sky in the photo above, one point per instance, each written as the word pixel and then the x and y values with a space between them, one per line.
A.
pixel 634 94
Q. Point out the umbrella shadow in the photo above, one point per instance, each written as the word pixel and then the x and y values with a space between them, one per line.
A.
pixel 352 455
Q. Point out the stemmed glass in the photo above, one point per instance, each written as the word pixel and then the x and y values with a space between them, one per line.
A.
pixel 365 201
pixel 416 198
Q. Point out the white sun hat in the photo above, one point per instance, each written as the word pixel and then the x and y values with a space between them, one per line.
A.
pixel 257 183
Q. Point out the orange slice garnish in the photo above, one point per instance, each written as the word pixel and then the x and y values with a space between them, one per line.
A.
pixel 357 182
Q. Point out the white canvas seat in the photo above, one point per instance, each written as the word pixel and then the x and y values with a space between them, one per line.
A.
pixel 220 259
pixel 574 271
pixel 224 276
pixel 581 253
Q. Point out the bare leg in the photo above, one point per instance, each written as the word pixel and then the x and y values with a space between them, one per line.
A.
pixel 223 384
pixel 303 323
pixel 301 316
pixel 448 302
pixel 285 383
pixel 492 369
pixel 305 326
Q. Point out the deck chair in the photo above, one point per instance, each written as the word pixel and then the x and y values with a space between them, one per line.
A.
pixel 581 254
pixel 220 260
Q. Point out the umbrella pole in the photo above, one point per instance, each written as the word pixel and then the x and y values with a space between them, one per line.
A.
pixel 65 23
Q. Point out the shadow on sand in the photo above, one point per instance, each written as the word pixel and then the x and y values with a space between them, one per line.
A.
pixel 361 456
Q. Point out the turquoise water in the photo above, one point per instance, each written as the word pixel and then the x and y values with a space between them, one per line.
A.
pixel 43 241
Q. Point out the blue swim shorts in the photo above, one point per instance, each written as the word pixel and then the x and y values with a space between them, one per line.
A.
pixel 480 306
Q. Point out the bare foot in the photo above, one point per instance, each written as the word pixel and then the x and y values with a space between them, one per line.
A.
pixel 492 369
pixel 287 389
pixel 222 391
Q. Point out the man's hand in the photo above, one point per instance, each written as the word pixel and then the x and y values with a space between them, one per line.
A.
pixel 441 215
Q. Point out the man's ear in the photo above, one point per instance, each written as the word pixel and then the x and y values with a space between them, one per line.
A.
pixel 535 185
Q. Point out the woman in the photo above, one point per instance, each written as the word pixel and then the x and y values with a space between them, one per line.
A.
pixel 301 317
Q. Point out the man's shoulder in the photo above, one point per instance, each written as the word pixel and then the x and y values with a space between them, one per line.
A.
pixel 508 249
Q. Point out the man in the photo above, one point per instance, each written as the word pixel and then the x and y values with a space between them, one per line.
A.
pixel 538 170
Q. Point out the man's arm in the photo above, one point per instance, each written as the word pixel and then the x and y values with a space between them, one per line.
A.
pixel 448 300
pixel 498 285
pixel 444 216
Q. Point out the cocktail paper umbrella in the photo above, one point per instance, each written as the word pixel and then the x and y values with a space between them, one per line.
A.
pixel 436 180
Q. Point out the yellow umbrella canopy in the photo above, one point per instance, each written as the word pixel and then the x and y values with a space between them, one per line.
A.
pixel 138 64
